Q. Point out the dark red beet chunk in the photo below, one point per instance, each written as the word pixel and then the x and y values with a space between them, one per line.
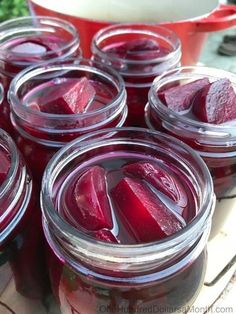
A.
pixel 4 166
pixel 93 210
pixel 216 102
pixel 70 98
pixel 161 180
pixel 181 97
pixel 139 49
pixel 148 217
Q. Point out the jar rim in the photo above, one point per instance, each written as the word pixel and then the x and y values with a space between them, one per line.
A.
pixel 14 163
pixel 5 29
pixel 70 64
pixel 1 93
pixel 142 28
pixel 217 133
pixel 111 251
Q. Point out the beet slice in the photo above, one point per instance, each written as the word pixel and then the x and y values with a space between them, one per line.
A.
pixel 179 98
pixel 138 49
pixel 161 180
pixel 93 210
pixel 69 98
pixel 144 49
pixel 4 165
pixel 216 102
pixel 148 217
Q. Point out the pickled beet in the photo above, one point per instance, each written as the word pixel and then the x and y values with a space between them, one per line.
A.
pixel 69 98
pixel 216 102
pixel 161 180
pixel 31 49
pixel 93 209
pixel 127 200
pixel 4 165
pixel 138 49
pixel 179 98
pixel 147 215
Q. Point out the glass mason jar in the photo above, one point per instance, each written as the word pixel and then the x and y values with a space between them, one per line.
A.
pixel 39 134
pixel 216 144
pixel 90 276
pixel 148 51
pixel 3 123
pixel 23 280
pixel 26 41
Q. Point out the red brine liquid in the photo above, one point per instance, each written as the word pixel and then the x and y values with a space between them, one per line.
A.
pixel 60 108
pixel 137 87
pixel 205 102
pixel 28 41
pixel 22 266
pixel 202 113
pixel 139 53
pixel 69 96
pixel 126 199
pixel 20 53
pixel 30 49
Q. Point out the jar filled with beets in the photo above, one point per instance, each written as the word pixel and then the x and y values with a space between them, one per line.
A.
pixel 126 214
pixel 23 280
pixel 139 52
pixel 27 41
pixel 198 106
pixel 57 102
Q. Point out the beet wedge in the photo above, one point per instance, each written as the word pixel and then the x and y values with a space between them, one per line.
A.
pixel 216 102
pixel 139 49
pixel 147 216
pixel 70 97
pixel 180 98
pixel 93 210
pixel 161 180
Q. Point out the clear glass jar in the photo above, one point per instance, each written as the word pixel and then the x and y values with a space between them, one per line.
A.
pixel 216 144
pixel 3 123
pixel 90 276
pixel 23 275
pixel 57 39
pixel 137 72
pixel 39 135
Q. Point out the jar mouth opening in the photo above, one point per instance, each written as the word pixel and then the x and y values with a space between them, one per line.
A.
pixel 10 147
pixel 219 132
pixel 62 158
pixel 147 30
pixel 71 64
pixel 40 23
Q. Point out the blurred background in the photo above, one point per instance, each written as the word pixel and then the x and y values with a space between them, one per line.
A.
pixel 12 8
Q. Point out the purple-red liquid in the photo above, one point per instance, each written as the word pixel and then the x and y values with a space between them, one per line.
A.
pixel 135 60
pixel 208 102
pixel 67 96
pixel 21 252
pixel 16 55
pixel 125 198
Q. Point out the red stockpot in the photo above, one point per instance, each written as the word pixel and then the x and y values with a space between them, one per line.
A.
pixel 192 32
